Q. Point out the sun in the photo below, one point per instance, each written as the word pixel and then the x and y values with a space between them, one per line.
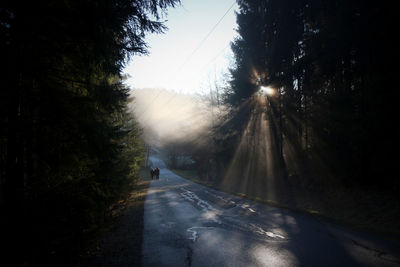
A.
pixel 267 90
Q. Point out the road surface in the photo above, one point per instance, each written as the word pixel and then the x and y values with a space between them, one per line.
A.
pixel 186 224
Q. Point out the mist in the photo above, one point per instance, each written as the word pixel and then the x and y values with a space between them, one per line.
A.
pixel 167 116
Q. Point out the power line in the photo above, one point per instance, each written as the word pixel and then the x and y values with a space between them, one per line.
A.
pixel 206 37
pixel 215 57
pixel 193 52
pixel 203 41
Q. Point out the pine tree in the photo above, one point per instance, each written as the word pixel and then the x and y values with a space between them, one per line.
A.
pixel 68 145
pixel 329 61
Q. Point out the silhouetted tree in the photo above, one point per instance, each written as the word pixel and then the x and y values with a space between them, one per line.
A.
pixel 331 62
pixel 68 145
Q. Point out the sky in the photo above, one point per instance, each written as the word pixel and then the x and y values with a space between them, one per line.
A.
pixel 181 59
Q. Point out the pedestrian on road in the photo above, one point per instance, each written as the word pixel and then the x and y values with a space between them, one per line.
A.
pixel 152 171
pixel 157 172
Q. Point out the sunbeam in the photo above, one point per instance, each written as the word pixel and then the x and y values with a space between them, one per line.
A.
pixel 254 168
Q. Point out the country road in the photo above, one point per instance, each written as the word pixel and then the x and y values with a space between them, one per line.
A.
pixel 187 224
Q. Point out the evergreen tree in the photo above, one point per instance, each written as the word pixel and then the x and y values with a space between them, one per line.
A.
pixel 330 64
pixel 68 144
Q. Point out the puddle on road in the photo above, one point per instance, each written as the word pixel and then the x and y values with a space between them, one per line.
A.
pixel 230 202
pixel 228 222
pixel 210 212
pixel 219 197
pixel 247 207
pixel 194 232
pixel 261 231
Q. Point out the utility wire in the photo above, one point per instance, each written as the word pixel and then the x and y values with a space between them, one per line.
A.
pixel 206 37
pixel 203 41
pixel 192 54
pixel 214 58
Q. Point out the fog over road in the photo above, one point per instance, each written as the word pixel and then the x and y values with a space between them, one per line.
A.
pixel 187 224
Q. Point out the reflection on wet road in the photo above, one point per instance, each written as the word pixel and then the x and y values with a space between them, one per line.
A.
pixel 186 224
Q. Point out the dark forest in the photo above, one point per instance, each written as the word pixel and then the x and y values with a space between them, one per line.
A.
pixel 312 100
pixel 69 148
pixel 311 106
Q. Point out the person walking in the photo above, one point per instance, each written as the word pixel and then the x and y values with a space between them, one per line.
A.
pixel 157 172
pixel 152 173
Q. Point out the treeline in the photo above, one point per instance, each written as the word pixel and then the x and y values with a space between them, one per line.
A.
pixel 69 146
pixel 307 117
pixel 332 69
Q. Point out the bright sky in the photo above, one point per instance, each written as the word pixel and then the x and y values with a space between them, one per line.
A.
pixel 172 63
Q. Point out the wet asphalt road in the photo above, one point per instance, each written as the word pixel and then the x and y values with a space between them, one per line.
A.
pixel 186 224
